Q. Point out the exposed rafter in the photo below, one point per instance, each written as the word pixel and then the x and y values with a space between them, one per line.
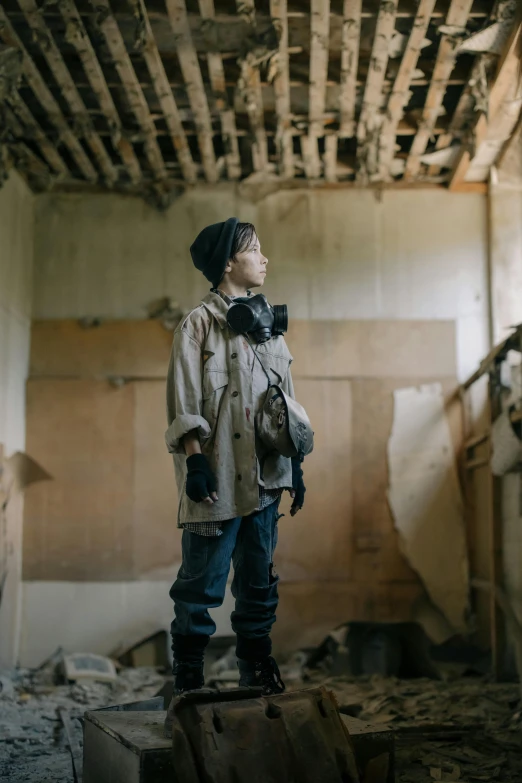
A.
pixel 189 64
pixel 330 157
pixel 284 143
pixel 68 88
pixel 320 34
pixel 457 17
pixel 349 63
pixel 34 131
pixel 401 94
pixel 371 118
pixel 250 89
pixel 77 36
pixel 38 86
pixel 226 112
pixel 116 45
pixel 492 131
pixel 164 94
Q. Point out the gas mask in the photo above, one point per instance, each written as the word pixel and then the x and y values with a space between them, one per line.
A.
pixel 255 316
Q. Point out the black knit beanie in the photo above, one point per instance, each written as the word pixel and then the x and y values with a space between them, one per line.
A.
pixel 212 249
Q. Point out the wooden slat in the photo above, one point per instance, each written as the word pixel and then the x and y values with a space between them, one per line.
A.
pixel 278 10
pixel 349 62
pixel 330 158
pixel 400 94
pixel 226 112
pixel 108 26
pixel 189 64
pixel 505 103
pixel 80 40
pixel 320 34
pixel 42 93
pixel 33 130
pixel 250 88
pixel 457 17
pixel 371 119
pixel 164 93
pixel 69 91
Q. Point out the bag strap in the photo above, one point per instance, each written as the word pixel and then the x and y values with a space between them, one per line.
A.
pixel 270 383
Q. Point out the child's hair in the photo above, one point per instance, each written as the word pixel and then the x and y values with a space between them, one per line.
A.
pixel 244 239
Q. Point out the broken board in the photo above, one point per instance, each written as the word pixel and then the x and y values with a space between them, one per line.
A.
pixel 122 746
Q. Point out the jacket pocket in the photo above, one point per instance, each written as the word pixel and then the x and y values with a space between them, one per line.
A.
pixel 279 366
pixel 215 383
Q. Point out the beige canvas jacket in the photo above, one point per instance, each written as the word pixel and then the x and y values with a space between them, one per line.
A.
pixel 215 385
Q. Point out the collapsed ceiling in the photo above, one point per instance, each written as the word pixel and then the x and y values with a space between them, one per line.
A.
pixel 153 97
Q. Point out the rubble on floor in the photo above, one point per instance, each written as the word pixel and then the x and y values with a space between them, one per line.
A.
pixel 457 728
pixel 34 743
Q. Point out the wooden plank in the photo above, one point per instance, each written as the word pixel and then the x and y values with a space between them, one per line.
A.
pixel 44 96
pixel 219 88
pixel 108 26
pixel 349 62
pixel 492 132
pixel 33 130
pixel 319 42
pixel 250 88
pixel 330 158
pixel 117 349
pixel 68 88
pixel 457 17
pixel 284 143
pixel 79 38
pixel 371 119
pixel 165 96
pixel 400 94
pixel 189 64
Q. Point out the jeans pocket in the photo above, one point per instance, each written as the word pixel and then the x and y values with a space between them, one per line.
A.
pixel 194 549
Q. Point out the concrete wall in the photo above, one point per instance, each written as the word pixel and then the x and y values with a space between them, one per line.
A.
pixel 419 254
pixel 16 256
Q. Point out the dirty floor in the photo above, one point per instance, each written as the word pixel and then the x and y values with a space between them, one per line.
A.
pixel 464 729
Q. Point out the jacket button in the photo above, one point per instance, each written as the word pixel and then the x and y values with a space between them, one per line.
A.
pixel 234 355
pixel 235 394
pixel 237 435
pixel 239 477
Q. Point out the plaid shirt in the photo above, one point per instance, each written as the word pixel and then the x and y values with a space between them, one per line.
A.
pixel 266 498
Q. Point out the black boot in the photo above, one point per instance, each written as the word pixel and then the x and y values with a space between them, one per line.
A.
pixel 263 673
pixel 187 677
pixel 188 670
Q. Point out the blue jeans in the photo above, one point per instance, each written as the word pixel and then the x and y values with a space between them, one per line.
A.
pixel 248 542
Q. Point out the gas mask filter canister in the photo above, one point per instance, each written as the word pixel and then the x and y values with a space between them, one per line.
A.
pixel 255 316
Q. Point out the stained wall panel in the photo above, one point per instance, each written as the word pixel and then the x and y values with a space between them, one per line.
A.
pixel 79 526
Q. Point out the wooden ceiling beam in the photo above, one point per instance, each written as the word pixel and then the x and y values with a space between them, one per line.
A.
pixel 188 60
pixel 68 88
pixel 349 63
pixel 319 44
pixel 279 12
pixel 249 85
pixel 79 38
pixel 48 103
pixel 457 17
pixel 219 89
pixel 108 27
pixel 491 132
pixel 371 118
pixel 164 94
pixel 32 131
pixel 401 94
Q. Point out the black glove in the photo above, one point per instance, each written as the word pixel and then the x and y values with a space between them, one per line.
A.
pixel 201 482
pixel 298 486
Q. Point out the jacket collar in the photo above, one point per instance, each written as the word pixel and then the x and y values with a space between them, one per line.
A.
pixel 217 306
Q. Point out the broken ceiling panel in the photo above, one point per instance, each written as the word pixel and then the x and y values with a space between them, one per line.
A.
pixel 152 96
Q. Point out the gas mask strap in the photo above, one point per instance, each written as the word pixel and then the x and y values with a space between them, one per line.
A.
pixel 259 360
